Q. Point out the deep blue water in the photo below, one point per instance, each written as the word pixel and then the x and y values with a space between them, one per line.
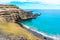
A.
pixel 48 22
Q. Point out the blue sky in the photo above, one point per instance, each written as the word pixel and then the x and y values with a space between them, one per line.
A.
pixel 35 4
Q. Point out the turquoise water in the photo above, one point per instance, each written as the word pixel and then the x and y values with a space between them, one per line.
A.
pixel 48 22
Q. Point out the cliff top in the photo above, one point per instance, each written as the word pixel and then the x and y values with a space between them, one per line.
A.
pixel 12 13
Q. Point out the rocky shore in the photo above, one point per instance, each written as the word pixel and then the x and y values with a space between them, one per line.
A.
pixel 10 15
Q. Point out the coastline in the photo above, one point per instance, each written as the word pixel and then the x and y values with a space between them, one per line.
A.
pixel 40 34
pixel 16 19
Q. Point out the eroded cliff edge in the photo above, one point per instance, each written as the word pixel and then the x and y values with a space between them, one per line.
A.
pixel 9 29
pixel 12 13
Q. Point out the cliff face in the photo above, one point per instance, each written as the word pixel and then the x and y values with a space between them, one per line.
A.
pixel 12 13
pixel 10 30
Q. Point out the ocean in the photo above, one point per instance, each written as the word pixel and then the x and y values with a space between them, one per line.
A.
pixel 48 22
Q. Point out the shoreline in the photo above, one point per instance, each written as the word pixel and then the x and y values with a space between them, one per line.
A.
pixel 40 34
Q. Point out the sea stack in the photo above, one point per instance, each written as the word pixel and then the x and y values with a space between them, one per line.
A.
pixel 12 13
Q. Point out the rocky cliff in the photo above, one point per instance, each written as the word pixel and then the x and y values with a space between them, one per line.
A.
pixel 12 13
pixel 9 30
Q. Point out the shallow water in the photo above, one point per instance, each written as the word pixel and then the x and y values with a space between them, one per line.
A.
pixel 48 22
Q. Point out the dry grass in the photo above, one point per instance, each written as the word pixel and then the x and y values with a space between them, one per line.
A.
pixel 15 29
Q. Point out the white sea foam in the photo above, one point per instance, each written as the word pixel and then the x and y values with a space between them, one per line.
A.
pixel 55 37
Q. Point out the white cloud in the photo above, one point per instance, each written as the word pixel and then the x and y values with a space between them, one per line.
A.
pixel 5 0
pixel 52 4
pixel 22 0
pixel 47 1
pixel 12 0
pixel 51 1
pixel 43 1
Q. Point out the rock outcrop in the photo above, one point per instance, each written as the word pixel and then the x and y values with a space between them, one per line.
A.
pixel 13 31
pixel 12 13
